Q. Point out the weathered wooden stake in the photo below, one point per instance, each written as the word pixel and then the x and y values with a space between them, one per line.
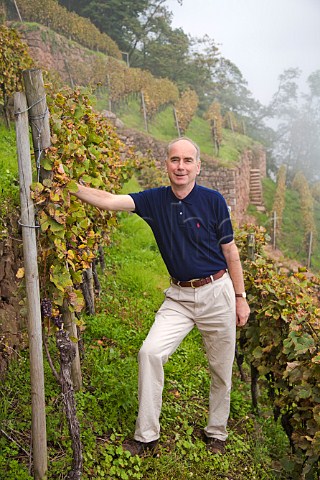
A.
pixel 41 136
pixel 176 122
pixel 17 10
pixel 38 116
pixel 144 112
pixel 274 240
pixel 309 250
pixel 251 245
pixel 39 431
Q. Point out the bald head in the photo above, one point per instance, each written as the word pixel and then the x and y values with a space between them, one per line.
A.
pixel 183 139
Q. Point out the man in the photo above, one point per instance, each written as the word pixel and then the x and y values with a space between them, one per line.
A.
pixel 193 230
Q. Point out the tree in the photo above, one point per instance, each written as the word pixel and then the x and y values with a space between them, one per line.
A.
pixel 159 52
pixel 125 21
pixel 297 142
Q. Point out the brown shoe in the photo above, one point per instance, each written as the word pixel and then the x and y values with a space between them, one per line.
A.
pixel 214 445
pixel 140 448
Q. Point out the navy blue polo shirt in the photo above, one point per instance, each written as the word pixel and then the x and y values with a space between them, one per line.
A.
pixel 189 232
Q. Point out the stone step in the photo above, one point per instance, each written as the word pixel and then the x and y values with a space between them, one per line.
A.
pixel 256 189
pixel 261 208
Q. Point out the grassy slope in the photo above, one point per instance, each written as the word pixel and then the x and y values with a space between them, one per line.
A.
pixel 163 128
pixel 290 240
pixel 132 290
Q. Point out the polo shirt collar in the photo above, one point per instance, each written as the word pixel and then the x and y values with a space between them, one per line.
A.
pixel 189 199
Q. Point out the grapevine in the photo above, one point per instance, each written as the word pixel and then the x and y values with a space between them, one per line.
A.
pixel 213 115
pixel 14 58
pixel 230 121
pixel 186 107
pixel 71 231
pixel 282 342
pixel 158 92
pixel 59 19
pixel 279 199
pixel 306 200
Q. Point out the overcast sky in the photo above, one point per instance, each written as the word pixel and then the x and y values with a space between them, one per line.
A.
pixel 261 37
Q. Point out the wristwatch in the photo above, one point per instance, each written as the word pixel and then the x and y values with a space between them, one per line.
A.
pixel 243 295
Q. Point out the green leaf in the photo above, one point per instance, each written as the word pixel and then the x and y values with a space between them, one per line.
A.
pixel 87 178
pixel 37 187
pixel 257 352
pixel 55 226
pixel 47 163
pixel 47 182
pixel 72 186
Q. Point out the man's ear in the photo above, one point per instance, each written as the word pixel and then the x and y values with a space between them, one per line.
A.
pixel 199 167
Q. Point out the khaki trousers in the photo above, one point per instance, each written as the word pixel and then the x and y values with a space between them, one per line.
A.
pixel 212 309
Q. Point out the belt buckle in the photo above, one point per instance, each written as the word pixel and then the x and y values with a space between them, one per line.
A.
pixel 191 281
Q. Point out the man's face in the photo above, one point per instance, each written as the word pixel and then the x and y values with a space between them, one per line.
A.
pixel 182 165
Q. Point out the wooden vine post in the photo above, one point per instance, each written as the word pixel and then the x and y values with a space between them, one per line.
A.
pixel 176 121
pixel 39 432
pixel 274 239
pixel 144 110
pixel 40 127
pixel 309 250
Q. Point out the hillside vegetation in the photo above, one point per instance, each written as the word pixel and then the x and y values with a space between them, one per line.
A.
pixel 132 287
pixel 278 349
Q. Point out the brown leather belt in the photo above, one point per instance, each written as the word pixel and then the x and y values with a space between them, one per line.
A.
pixel 199 282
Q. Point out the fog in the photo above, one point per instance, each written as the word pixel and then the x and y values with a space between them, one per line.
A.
pixel 261 37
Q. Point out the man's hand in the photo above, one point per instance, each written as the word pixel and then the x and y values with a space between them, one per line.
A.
pixel 61 174
pixel 242 311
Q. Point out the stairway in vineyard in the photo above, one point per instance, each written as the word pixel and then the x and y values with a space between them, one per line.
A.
pixel 256 189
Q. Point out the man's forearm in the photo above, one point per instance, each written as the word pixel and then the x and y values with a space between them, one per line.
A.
pixel 105 200
pixel 93 196
pixel 232 257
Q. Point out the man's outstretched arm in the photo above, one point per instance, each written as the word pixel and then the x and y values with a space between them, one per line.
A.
pixel 105 200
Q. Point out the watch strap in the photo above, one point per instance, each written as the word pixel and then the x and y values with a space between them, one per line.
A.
pixel 243 295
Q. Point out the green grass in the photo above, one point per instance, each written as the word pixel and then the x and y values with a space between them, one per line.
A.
pixel 232 146
pixel 9 185
pixel 162 127
pixel 132 291
pixel 291 238
pixel 8 161
pixel 292 245
pixel 264 219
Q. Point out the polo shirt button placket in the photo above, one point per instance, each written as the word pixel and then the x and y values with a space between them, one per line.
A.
pixel 180 221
